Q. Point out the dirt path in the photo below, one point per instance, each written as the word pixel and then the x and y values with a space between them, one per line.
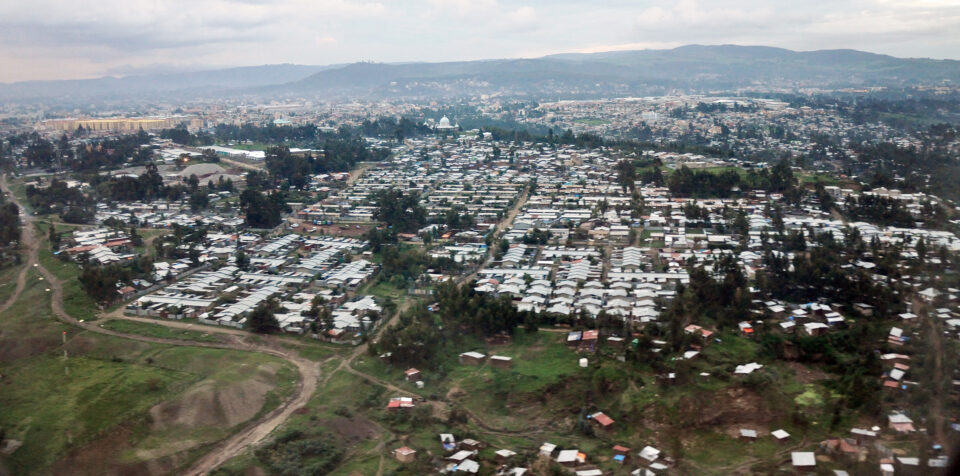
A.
pixel 357 173
pixel 935 345
pixel 254 431
pixel 28 240
pixel 497 231
pixel 236 163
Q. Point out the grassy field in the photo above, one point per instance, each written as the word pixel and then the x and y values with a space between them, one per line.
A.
pixel 99 403
pixel 50 403
pixel 75 300
pixel 8 281
pixel 157 330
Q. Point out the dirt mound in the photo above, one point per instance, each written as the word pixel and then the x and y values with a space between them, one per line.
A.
pixel 734 405
pixel 210 404
pixel 352 429
pixel 455 392
pixel 100 458
pixel 806 374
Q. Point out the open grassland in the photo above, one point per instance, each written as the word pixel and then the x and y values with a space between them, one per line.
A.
pixel 157 330
pixel 115 405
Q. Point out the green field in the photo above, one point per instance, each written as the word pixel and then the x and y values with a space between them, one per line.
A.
pixel 51 403
pixel 157 330
pixel 101 401
pixel 75 300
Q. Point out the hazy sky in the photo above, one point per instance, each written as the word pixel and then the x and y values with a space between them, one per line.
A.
pixel 63 39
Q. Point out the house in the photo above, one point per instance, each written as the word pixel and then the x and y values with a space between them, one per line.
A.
pixel 126 292
pixel 397 403
pixel 747 434
pixel 649 454
pixel 501 362
pixel 621 453
pixel 780 435
pixel 472 358
pixel 815 328
pixel 504 455
pixel 547 449
pixel 695 329
pixel 404 454
pixel 900 423
pixel 571 458
pixel 470 444
pixel 600 419
pixel 803 460
pixel 461 456
pixel 411 375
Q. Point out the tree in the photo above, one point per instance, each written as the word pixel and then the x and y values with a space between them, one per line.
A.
pixel 263 211
pixel 54 237
pixel 626 175
pixel 402 212
pixel 262 320
pixel 199 200
pixel 241 260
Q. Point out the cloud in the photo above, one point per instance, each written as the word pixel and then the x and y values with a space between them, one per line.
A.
pixel 62 39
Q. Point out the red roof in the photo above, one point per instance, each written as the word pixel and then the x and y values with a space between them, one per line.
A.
pixel 602 419
pixel 411 371
pixel 590 335
pixel 621 449
pixel 81 249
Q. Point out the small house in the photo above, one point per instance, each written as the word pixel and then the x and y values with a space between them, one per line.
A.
pixel 504 455
pixel 900 423
pixel 472 358
pixel 803 460
pixel 411 375
pixel 602 420
pixel 571 458
pixel 501 362
pixel 470 445
pixel 405 454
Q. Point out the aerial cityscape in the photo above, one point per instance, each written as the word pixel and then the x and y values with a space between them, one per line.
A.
pixel 493 237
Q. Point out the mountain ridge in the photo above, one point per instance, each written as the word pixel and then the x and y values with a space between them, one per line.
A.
pixel 689 67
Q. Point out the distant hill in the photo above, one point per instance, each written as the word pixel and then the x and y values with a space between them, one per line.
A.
pixel 197 81
pixel 687 68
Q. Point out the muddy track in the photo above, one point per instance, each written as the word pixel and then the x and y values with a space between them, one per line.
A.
pixel 254 431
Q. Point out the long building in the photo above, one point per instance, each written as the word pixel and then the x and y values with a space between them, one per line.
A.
pixel 132 124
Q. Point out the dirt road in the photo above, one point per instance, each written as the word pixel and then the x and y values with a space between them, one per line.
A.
pixel 254 431
pixel 27 240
